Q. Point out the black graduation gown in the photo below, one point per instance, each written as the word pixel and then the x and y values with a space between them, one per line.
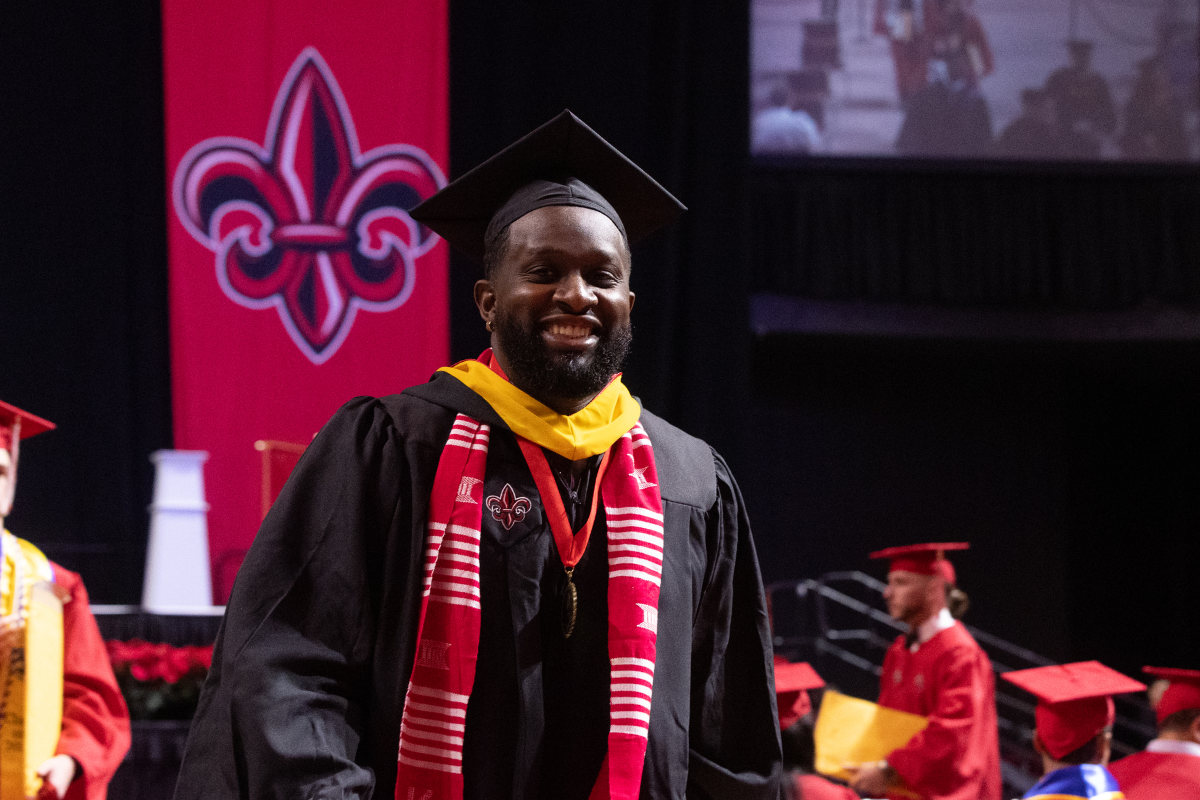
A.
pixel 314 654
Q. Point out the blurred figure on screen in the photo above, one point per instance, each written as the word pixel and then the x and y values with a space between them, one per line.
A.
pixel 1082 102
pixel 1034 134
pixel 956 37
pixel 785 127
pixel 903 23
pixel 1154 129
pixel 949 118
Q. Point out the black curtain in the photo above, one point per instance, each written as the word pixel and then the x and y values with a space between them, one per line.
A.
pixel 1081 237
pixel 83 303
pixel 1070 468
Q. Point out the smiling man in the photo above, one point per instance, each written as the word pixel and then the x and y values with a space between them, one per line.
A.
pixel 512 581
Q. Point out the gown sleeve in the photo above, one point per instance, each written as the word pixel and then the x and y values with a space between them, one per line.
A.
pixel 95 727
pixel 977 36
pixel 947 754
pixel 735 752
pixel 283 710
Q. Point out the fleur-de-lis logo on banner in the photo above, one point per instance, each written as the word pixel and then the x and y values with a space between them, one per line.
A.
pixel 306 224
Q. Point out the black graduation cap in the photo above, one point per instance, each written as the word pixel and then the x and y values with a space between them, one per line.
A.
pixel 564 159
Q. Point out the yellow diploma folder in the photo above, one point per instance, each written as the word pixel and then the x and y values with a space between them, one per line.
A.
pixel 850 732
pixel 33 687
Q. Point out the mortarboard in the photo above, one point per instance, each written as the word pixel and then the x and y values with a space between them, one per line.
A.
pixel 792 682
pixel 923 559
pixel 1074 701
pixel 563 162
pixel 30 425
pixel 1182 694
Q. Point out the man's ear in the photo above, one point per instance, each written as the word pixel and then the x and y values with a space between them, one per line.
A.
pixel 1194 730
pixel 936 591
pixel 1037 745
pixel 485 299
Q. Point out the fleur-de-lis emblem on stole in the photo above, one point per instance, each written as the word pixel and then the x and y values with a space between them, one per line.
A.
pixel 507 508
pixel 306 224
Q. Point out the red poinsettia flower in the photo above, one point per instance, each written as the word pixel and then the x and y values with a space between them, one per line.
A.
pixel 147 661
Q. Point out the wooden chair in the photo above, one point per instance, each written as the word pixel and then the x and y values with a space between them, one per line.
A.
pixel 278 461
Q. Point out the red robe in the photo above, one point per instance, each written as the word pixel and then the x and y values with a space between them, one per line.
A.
pixel 95 728
pixel 949 680
pixel 910 57
pixel 814 787
pixel 1158 776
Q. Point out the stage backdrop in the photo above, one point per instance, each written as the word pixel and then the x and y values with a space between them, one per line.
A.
pixel 298 135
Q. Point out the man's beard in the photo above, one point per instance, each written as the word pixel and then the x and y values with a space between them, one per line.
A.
pixel 543 373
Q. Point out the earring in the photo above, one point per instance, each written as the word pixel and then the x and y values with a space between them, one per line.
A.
pixel 488 325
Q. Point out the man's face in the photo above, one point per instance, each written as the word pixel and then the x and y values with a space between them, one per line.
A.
pixel 7 482
pixel 909 596
pixel 559 302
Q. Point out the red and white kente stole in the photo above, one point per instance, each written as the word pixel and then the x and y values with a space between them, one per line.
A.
pixel 435 706
pixel 634 515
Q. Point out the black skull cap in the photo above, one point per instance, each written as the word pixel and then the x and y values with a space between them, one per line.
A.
pixel 566 152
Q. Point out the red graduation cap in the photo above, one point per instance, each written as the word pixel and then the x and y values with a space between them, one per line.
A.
pixel 792 682
pixel 923 559
pixel 1074 701
pixel 1183 693
pixel 30 425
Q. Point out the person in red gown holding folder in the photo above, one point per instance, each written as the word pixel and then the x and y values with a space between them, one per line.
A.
pixel 792 684
pixel 1169 769
pixel 95 726
pixel 938 671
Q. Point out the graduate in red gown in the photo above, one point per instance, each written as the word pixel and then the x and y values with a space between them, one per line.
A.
pixel 1074 720
pixel 95 726
pixel 938 671
pixel 95 733
pixel 1169 769
pixel 792 684
pixel 903 23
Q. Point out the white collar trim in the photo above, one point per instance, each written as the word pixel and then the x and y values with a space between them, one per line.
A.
pixel 931 627
pixel 1173 746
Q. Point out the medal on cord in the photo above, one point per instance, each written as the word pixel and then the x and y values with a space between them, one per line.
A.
pixel 571 545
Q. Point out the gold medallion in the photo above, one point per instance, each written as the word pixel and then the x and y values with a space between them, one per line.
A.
pixel 569 605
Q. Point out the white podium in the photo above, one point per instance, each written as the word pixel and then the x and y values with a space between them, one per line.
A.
pixel 178 579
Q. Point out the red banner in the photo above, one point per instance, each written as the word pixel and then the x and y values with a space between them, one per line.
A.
pixel 298 136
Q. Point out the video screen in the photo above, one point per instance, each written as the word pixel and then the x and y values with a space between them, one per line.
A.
pixel 1060 80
